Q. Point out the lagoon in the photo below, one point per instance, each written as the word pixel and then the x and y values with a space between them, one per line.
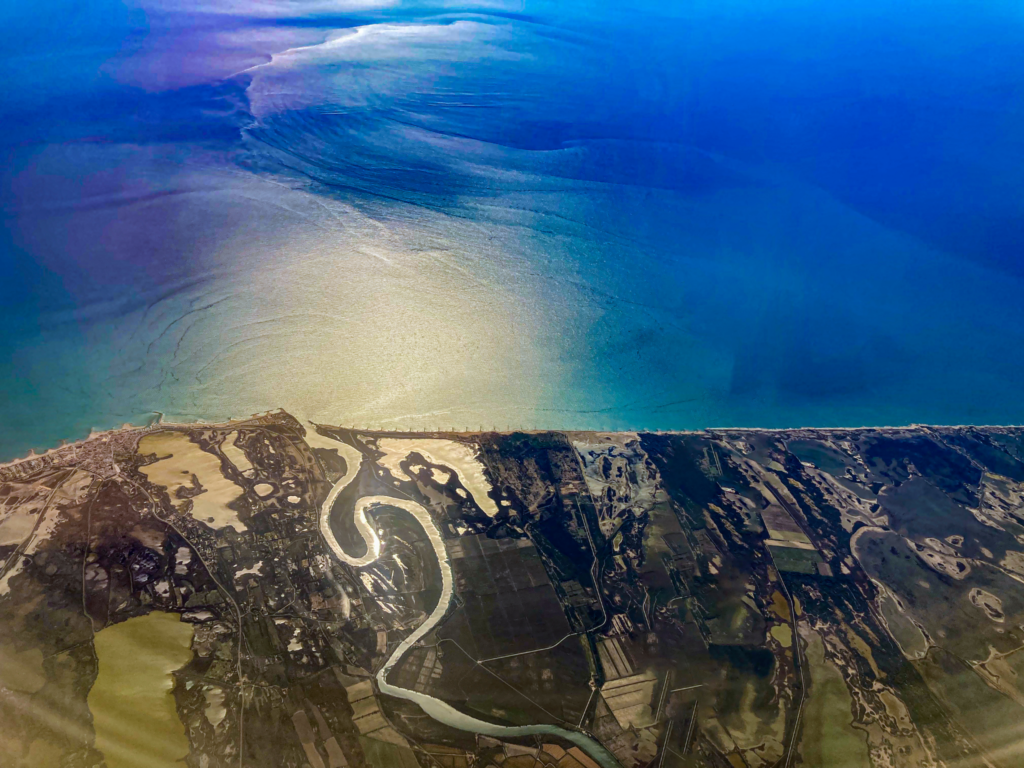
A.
pixel 132 704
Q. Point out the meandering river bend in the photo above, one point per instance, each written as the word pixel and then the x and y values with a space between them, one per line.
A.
pixel 435 708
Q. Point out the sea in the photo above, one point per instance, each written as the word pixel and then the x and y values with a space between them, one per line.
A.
pixel 510 214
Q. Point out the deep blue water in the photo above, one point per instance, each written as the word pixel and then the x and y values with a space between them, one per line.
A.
pixel 567 215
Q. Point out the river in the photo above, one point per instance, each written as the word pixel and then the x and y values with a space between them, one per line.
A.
pixel 435 708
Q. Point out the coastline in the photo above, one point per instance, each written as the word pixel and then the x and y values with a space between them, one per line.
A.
pixel 861 476
pixel 56 454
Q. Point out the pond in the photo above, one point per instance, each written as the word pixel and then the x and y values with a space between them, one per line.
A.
pixel 133 708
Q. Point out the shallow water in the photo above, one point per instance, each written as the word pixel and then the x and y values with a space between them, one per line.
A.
pixel 540 215
pixel 133 709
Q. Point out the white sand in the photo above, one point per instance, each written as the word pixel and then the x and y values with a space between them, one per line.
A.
pixel 179 459
pixel 461 458
pixel 235 454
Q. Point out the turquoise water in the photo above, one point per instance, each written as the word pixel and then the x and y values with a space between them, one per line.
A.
pixel 539 215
